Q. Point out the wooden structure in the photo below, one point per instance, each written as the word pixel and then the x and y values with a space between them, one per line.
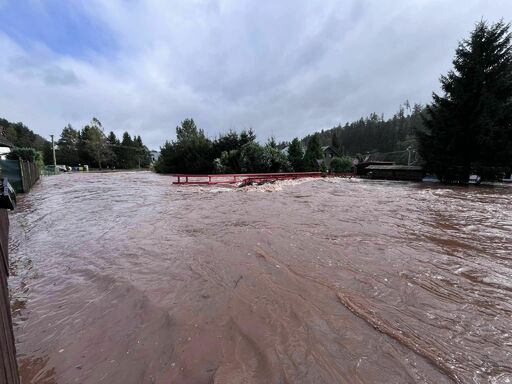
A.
pixel 361 168
pixel 395 172
pixel 329 154
pixel 184 179
pixel 8 365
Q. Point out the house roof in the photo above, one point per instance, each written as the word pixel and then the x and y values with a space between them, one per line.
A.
pixel 329 148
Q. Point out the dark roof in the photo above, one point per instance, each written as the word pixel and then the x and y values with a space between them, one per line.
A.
pixel 394 168
pixel 329 148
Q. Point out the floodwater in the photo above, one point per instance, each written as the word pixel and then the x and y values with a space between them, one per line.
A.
pixel 125 278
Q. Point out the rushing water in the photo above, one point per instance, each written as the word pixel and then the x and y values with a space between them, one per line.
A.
pixel 125 278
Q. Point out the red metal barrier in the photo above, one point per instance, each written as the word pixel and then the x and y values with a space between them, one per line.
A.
pixel 184 179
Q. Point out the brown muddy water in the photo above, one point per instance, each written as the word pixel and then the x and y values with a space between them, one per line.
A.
pixel 124 278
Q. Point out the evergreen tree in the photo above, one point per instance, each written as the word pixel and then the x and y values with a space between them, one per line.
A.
pixel 272 142
pixel 112 139
pixel 114 143
pixel 275 160
pixel 469 127
pixel 192 151
pixel 227 142
pixel 313 153
pixel 247 137
pixel 127 157
pixel 335 142
pixel 296 155
pixel 92 145
pixel 68 146
pixel 253 159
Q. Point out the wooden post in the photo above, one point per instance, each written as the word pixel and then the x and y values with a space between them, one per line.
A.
pixel 22 177
pixel 8 365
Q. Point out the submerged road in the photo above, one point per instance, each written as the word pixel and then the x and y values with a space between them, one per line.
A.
pixel 124 278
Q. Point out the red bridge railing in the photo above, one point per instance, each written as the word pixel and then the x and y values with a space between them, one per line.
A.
pixel 234 178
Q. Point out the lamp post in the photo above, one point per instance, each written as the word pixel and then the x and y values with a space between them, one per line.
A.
pixel 54 158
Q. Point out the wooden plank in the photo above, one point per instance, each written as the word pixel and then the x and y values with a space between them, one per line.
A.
pixel 8 364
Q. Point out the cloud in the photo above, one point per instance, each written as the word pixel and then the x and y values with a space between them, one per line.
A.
pixel 284 68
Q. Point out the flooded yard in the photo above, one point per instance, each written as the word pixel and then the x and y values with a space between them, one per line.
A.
pixel 125 278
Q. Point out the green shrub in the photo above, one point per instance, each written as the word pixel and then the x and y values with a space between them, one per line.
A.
pixel 341 164
pixel 28 154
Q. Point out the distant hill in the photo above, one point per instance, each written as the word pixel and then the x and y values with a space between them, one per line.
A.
pixel 21 136
pixel 375 134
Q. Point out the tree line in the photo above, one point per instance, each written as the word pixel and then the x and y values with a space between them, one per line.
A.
pixel 87 146
pixel 233 152
pixel 469 127
pixel 91 146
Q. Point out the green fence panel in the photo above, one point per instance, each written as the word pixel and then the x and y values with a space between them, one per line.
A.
pixel 11 169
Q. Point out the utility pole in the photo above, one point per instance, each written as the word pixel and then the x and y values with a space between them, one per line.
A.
pixel 54 158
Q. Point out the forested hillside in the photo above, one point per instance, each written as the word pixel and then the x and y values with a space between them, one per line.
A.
pixel 93 147
pixel 375 133
pixel 23 137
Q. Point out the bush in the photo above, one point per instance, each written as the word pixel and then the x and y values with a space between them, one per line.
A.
pixel 276 160
pixel 28 154
pixel 253 159
pixel 341 164
pixel 39 159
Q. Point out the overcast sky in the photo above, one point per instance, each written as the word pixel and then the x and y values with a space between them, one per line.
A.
pixel 285 68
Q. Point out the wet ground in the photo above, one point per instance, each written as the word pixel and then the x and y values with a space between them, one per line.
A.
pixel 124 278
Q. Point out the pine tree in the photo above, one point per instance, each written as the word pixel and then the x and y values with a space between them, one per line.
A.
pixel 469 128
pixel 313 153
pixel 335 142
pixel 127 154
pixel 192 151
pixel 296 155
pixel 247 136
pixel 68 146
pixel 92 145
pixel 114 143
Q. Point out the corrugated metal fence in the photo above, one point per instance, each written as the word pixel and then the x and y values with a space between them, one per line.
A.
pixel 8 366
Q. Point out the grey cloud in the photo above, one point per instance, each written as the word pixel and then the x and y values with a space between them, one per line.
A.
pixel 51 74
pixel 55 75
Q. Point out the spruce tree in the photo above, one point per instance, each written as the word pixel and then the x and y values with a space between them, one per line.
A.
pixel 313 153
pixel 296 155
pixel 67 146
pixel 114 143
pixel 469 127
